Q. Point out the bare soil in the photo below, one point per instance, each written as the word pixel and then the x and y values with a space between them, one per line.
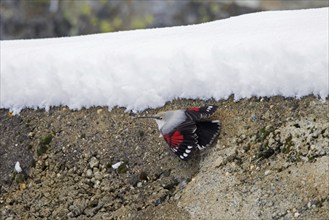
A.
pixel 271 161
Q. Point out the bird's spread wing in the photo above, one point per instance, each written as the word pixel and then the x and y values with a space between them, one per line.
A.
pixel 183 139
pixel 201 113
pixel 207 131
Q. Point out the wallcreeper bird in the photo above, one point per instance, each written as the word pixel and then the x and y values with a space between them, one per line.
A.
pixel 184 130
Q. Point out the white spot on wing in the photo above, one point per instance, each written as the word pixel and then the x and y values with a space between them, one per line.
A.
pixel 185 155
pixel 200 147
pixel 181 156
pixel 188 151
pixel 189 147
pixel 209 108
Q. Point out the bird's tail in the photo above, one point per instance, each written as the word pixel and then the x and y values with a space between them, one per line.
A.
pixel 207 131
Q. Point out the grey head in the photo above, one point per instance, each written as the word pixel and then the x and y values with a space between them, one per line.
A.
pixel 167 121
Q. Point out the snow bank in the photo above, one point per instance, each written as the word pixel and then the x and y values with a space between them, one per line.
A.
pixel 261 54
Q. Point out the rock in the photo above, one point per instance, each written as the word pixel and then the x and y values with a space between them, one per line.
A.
pixel 218 162
pixel 133 180
pixel 97 184
pixel 159 197
pixel 93 162
pixel 169 183
pixel 253 118
pixel 99 111
pixel 18 168
pixel 89 173
pixel 91 211
pixel 117 165
pixel 267 172
pixel 106 216
pixel 223 182
pixel 22 186
pixel 98 175
pixel 143 176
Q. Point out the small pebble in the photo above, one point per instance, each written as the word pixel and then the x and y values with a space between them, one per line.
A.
pixel 116 165
pixel 18 168
pixel 267 172
pixel 89 172
pixel 97 184
pixel 93 162
pixel 218 162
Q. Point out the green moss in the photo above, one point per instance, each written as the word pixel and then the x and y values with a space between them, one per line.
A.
pixel 44 144
pixel 19 178
pixel 46 139
pixel 311 158
pixel 288 144
pixel 262 134
pixel 286 150
pixel 109 165
pixel 123 168
pixel 42 149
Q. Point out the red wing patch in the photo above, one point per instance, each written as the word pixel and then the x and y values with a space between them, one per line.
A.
pixel 194 109
pixel 175 139
pixel 183 139
pixel 201 113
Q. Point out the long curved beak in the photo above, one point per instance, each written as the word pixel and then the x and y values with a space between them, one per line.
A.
pixel 154 117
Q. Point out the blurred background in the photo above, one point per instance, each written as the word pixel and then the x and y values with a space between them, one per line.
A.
pixel 26 19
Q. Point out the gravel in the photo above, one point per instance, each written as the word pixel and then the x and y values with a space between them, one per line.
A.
pixel 269 162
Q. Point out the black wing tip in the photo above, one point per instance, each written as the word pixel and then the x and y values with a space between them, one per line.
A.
pixel 216 122
pixel 211 108
pixel 184 152
pixel 207 132
pixel 185 148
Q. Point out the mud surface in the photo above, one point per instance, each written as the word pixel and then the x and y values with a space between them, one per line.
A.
pixel 270 162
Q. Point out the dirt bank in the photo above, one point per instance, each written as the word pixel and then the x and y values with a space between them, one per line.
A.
pixel 270 161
